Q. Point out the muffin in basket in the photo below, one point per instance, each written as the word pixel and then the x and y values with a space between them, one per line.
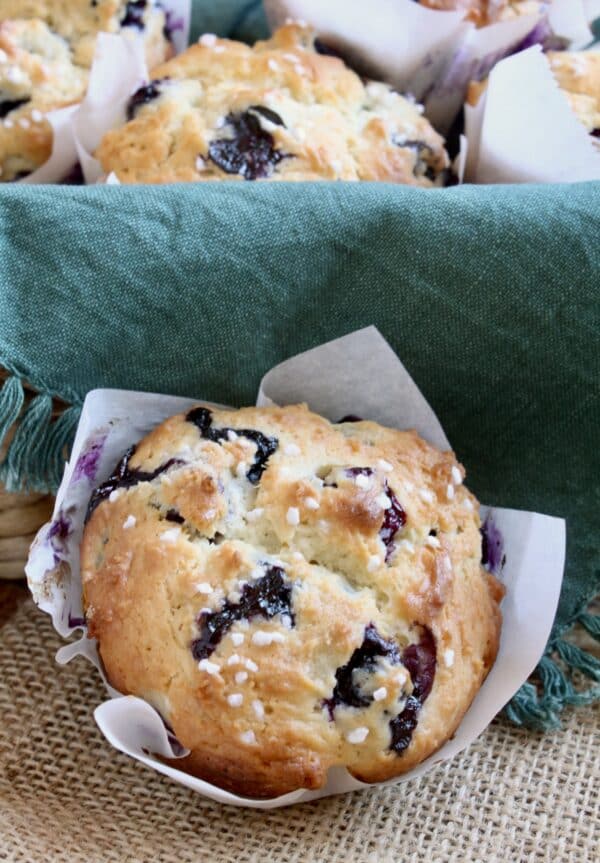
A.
pixel 280 110
pixel 46 50
pixel 290 594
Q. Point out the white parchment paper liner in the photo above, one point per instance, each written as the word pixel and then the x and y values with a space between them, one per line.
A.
pixel 522 129
pixel 426 52
pixel 95 110
pixel 357 374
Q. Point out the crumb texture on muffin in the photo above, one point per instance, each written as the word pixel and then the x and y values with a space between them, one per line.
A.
pixel 290 594
pixel 46 51
pixel 280 110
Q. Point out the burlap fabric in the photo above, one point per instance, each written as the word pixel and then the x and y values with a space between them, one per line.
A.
pixel 66 796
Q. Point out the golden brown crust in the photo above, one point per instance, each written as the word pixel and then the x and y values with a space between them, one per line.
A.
pixel 485 12
pixel 45 56
pixel 259 719
pixel 327 124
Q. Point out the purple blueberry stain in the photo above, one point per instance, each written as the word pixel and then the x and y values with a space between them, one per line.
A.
pixel 76 622
pixel 364 658
pixel 420 662
pixel 394 519
pixel 58 534
pixel 125 477
pixel 265 446
pixel 172 23
pixel 86 466
pixel 134 14
pixel 542 34
pixel 267 597
pixel 492 546
pixel 250 152
pixel 143 96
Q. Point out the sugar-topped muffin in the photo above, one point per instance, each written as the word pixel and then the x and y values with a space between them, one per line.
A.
pixel 46 51
pixel 279 110
pixel 290 594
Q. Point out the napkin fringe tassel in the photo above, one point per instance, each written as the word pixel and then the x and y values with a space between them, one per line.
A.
pixel 538 704
pixel 35 457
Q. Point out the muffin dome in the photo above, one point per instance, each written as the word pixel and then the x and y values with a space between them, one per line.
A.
pixel 291 594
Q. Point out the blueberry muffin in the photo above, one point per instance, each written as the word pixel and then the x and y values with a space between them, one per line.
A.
pixel 578 76
pixel 46 50
pixel 290 594
pixel 484 12
pixel 280 110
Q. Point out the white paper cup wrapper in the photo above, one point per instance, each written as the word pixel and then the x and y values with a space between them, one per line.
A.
pixel 426 52
pixel 522 130
pixel 363 377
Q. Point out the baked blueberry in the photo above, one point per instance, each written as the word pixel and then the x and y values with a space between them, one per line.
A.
pixel 394 519
pixel 346 692
pixel 125 477
pixel 146 93
pixel 8 105
pixel 249 152
pixel 265 446
pixel 266 597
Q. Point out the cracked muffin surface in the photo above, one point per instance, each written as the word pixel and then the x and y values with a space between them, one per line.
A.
pixel 291 595
pixel 46 51
pixel 279 110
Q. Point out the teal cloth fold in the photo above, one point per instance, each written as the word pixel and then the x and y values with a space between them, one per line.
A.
pixel 488 294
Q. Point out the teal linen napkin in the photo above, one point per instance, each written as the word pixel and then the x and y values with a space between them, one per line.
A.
pixel 488 294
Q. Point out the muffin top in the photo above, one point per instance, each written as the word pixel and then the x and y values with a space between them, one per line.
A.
pixel 45 56
pixel 278 110
pixel 290 594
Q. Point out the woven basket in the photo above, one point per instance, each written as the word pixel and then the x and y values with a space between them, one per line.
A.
pixel 21 514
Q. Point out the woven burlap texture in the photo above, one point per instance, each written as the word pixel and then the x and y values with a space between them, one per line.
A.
pixel 65 795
